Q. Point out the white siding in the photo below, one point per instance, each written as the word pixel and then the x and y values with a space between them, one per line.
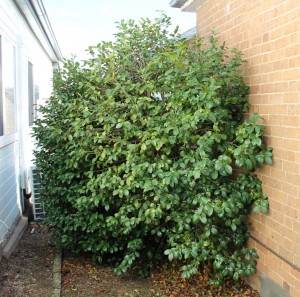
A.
pixel 16 149
pixel 9 196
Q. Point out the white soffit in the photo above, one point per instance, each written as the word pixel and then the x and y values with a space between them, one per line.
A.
pixel 192 5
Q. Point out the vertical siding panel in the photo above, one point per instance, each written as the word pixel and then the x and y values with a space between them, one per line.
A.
pixel 9 204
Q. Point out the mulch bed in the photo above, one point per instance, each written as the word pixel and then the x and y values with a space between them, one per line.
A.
pixel 84 278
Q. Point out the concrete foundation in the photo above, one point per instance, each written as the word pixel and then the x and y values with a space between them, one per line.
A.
pixel 15 238
pixel 270 289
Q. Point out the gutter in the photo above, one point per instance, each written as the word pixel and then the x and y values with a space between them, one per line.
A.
pixel 35 14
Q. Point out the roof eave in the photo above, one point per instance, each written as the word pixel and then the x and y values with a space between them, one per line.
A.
pixel 177 3
pixel 187 5
pixel 189 34
pixel 36 16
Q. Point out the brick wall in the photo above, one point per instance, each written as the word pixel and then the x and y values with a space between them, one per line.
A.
pixel 268 33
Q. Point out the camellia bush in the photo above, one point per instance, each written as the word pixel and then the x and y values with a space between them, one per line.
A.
pixel 145 153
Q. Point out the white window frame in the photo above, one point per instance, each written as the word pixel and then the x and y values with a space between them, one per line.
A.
pixel 6 139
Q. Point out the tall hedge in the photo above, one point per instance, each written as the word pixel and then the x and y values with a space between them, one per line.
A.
pixel 144 152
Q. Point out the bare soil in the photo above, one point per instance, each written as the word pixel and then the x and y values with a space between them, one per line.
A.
pixel 29 272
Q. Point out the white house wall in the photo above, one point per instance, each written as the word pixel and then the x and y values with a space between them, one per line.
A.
pixel 9 196
pixel 16 149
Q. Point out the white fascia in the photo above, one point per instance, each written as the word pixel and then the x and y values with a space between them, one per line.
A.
pixel 36 16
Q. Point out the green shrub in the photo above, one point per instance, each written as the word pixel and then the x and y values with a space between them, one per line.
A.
pixel 144 152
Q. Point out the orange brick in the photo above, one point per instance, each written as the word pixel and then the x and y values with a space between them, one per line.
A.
pixel 292 212
pixel 255 89
pixel 292 50
pixel 276 76
pixel 295 291
pixel 290 5
pixel 295 273
pixel 275 98
pixel 291 156
pixel 292 202
pixel 293 133
pixel 276 205
pixel 264 171
pixel 286 253
pixel 296 226
pixel 293 109
pixel 288 222
pixel 297 157
pixel 279 153
pixel 273 262
pixel 293 86
pixel 279 195
pixel 286 267
pixel 256 79
pixel 279 109
pixel 274 273
pixel 280 65
pixel 288 280
pixel 289 188
pixel 277 163
pixel 280 86
pixel 297 61
pixel 277 174
pixel 293 62
pixel 297 262
pixel 266 37
pixel 258 99
pixel 277 213
pixel 292 121
pixel 292 74
pixel 268 67
pixel 264 109
pixel 298 203
pixel 292 97
pixel 276 33
pixel 292 27
pixel 279 49
pixel 266 57
pixel 291 167
pixel 272 182
pixel 293 178
pixel 288 244
pixel 268 32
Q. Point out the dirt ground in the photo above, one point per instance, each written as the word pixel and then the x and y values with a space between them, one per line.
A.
pixel 29 272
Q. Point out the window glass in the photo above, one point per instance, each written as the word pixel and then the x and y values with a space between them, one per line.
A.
pixel 30 94
pixel 1 90
pixel 33 95
pixel 8 77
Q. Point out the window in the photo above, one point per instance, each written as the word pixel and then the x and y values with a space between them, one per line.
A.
pixel 1 88
pixel 7 88
pixel 33 95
